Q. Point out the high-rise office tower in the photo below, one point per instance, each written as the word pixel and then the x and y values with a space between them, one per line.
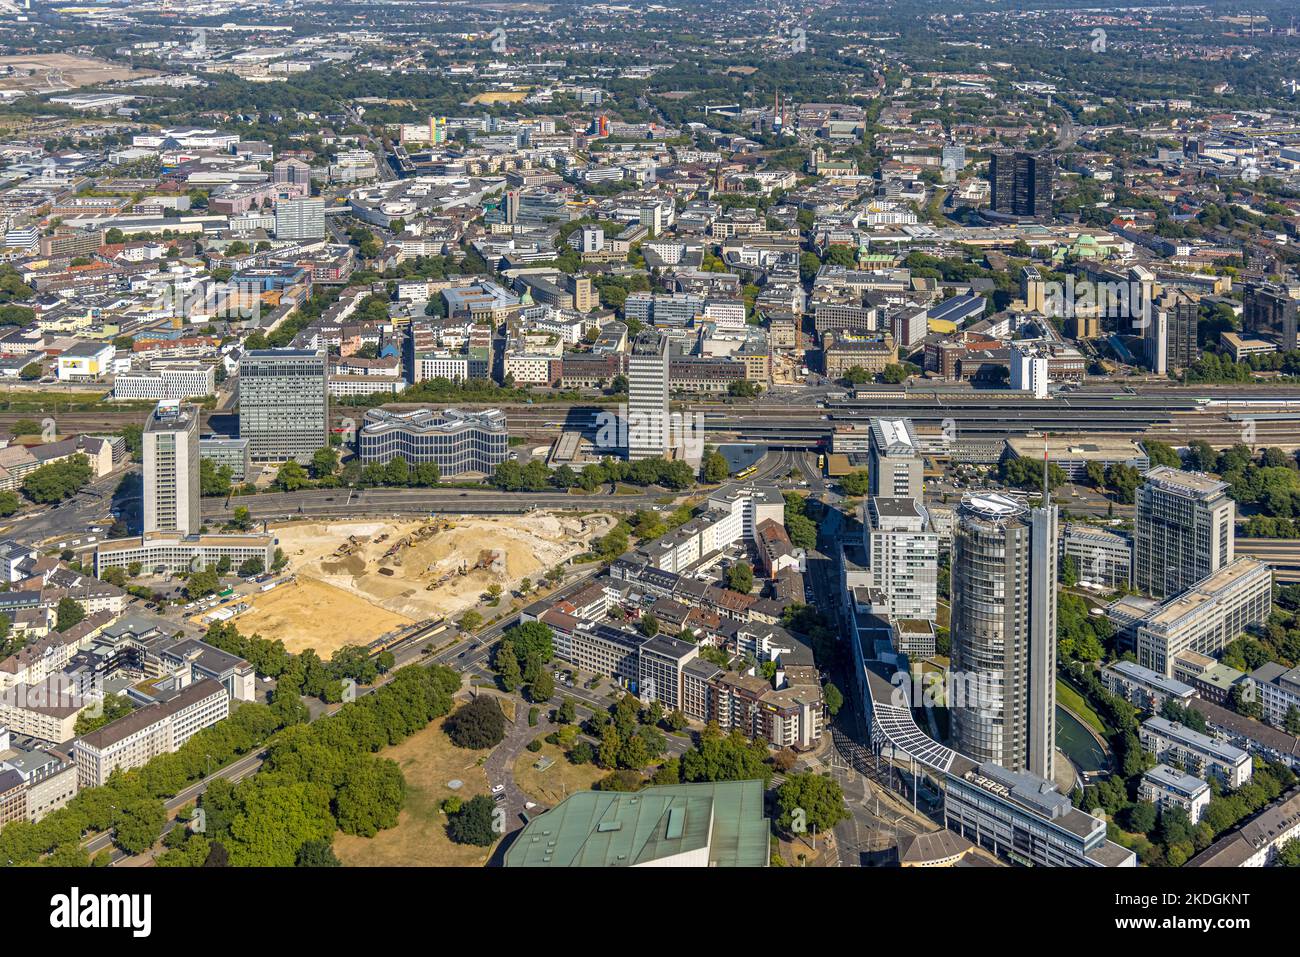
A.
pixel 292 172
pixel 1170 334
pixel 1004 633
pixel 1269 309
pixel 896 467
pixel 171 469
pixel 1033 289
pixel 647 396
pixel 510 205
pixel 1030 365
pixel 1182 531
pixel 1021 183
pixel 300 218
pixel 283 403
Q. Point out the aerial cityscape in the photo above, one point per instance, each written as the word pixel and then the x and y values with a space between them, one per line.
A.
pixel 538 434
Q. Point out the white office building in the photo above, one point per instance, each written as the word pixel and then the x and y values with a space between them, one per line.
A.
pixel 648 422
pixel 179 380
pixel 171 469
pixel 1206 617
pixel 300 218
pixel 1029 365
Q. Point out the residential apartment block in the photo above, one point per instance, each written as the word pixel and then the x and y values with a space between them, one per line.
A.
pixel 1144 688
pixel 1167 787
pixel 1197 753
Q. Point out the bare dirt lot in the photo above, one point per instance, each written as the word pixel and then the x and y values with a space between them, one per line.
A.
pixel 311 614
pixel 61 71
pixel 359 580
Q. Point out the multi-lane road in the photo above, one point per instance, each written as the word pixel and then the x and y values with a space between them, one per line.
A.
pixel 345 503
pixel 1282 553
pixel 72 520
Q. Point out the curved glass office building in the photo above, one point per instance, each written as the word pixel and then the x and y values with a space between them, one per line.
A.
pixel 457 441
pixel 1004 632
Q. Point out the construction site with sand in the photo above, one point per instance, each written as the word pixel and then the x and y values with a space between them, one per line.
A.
pixel 354 582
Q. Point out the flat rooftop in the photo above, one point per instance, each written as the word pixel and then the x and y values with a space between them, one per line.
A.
pixel 1096 447
pixel 1204 592
pixel 1196 484
pixel 170 415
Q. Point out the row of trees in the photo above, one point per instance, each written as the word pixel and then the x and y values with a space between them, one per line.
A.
pixel 1270 480
pixel 798 525
pixel 319 778
pixel 131 803
pixel 303 673
pixel 1216 367
pixel 510 476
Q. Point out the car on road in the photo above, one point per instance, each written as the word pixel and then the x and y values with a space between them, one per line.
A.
pixel 498 788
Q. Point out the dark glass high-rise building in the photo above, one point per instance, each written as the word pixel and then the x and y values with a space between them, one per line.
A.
pixel 1170 334
pixel 1022 184
pixel 1268 310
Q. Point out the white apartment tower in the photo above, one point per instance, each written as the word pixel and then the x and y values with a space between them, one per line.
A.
pixel 171 469
pixel 903 552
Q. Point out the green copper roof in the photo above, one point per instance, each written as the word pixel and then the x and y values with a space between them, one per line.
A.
pixel 719 824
